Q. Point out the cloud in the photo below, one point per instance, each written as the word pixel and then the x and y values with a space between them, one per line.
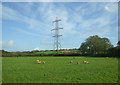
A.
pixel 61 12
pixel 100 23
pixel 11 43
pixel 36 25
pixel 37 48
pixel 111 7
pixel 27 32
pixel 11 14
pixel 77 23
pixel 8 44
pixel 32 24
pixel 107 8
pixel 49 13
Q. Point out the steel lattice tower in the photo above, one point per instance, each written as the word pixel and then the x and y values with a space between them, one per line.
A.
pixel 57 44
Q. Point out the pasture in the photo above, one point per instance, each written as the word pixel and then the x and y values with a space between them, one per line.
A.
pixel 49 52
pixel 59 70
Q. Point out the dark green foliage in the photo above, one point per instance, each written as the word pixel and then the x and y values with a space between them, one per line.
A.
pixel 94 45
pixel 115 52
pixel 118 43
pixel 73 52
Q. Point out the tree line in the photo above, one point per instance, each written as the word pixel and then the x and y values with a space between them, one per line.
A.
pixel 92 46
pixel 96 46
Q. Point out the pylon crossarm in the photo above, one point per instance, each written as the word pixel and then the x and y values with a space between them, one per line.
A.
pixel 60 28
pixel 57 35
pixel 53 29
pixel 57 20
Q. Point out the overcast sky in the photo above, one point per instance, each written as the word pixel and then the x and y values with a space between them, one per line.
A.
pixel 27 25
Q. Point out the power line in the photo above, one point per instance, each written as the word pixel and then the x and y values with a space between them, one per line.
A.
pixel 57 44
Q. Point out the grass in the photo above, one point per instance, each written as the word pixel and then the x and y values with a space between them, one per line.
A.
pixel 59 70
pixel 49 52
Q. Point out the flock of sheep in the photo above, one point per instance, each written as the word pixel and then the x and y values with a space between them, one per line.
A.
pixel 39 62
pixel 79 63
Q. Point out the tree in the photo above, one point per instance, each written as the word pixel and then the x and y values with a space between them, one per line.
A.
pixel 83 48
pixel 94 45
pixel 118 43
pixel 115 51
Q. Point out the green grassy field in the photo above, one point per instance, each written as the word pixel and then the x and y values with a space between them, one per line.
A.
pixel 59 70
pixel 49 52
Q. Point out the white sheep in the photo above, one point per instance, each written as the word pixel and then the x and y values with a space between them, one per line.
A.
pixel 71 61
pixel 38 61
pixel 84 61
pixel 43 62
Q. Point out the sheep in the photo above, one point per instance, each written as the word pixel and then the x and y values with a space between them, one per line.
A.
pixel 38 61
pixel 71 61
pixel 43 62
pixel 84 61
pixel 77 62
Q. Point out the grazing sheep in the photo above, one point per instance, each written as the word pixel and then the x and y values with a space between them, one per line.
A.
pixel 38 61
pixel 43 62
pixel 84 61
pixel 71 61
pixel 78 63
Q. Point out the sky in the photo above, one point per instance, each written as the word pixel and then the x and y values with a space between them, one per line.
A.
pixel 27 26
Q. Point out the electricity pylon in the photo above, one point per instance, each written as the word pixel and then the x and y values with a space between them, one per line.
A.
pixel 57 43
